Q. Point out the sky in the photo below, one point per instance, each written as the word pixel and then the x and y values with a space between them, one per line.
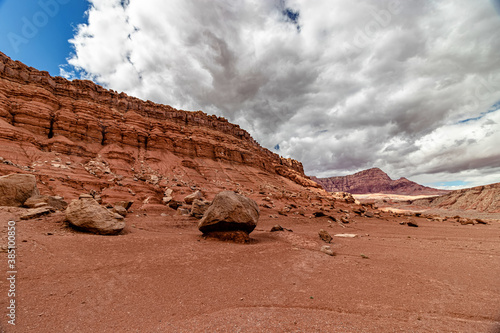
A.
pixel 411 87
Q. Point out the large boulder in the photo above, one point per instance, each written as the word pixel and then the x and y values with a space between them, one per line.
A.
pixel 230 212
pixel 86 214
pixel 16 188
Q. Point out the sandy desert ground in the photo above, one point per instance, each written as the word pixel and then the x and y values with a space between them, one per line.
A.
pixel 162 276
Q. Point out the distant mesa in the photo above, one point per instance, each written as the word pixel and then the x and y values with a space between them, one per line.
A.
pixel 375 180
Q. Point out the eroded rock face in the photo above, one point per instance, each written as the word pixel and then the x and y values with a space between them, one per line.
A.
pixel 105 139
pixel 86 214
pixel 481 198
pixel 15 189
pixel 374 181
pixel 230 212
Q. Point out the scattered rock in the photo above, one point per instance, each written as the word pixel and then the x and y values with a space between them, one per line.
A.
pixel 86 214
pixel 119 210
pixel 46 200
pixel 328 250
pixel 184 211
pixel 190 198
pixel 199 207
pixel 344 219
pixel 319 214
pixel 359 211
pixel 167 196
pixel 479 221
pixel 412 224
pixel 230 211
pixel 344 196
pixel 325 236
pixel 16 188
pixel 465 221
pixel 277 227
pixel 369 214
pixel 346 235
pixel 35 213
pixel 124 204
pixel 174 204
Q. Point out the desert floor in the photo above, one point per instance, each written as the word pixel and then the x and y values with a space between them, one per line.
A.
pixel 162 276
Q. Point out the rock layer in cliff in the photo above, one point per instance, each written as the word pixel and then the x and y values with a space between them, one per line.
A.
pixel 76 136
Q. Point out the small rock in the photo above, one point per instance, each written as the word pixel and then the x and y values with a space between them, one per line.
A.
pixel 325 236
pixel 276 227
pixel 369 214
pixel 184 211
pixel 412 224
pixel 465 221
pixel 35 212
pixel 319 214
pixel 124 204
pixel 46 200
pixel 166 200
pixel 328 250
pixel 174 204
pixel 119 210
pixel 190 198
pixel 346 235
pixel 199 207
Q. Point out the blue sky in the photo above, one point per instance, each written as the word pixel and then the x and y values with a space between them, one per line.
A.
pixel 37 32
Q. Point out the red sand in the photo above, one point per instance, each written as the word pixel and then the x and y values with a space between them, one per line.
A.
pixel 161 276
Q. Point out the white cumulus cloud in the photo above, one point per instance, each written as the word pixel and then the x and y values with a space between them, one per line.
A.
pixel 341 86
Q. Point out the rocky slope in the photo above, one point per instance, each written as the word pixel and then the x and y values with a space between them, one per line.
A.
pixel 76 136
pixel 480 198
pixel 374 181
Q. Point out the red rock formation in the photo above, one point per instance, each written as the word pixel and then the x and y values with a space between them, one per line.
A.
pixel 481 198
pixel 83 136
pixel 374 181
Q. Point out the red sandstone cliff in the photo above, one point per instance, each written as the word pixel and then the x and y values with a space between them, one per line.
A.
pixel 78 135
pixel 374 181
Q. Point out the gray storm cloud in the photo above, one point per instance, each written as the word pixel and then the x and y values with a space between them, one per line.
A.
pixel 341 86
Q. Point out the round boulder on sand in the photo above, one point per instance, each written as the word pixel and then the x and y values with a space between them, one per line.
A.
pixel 16 188
pixel 230 211
pixel 86 214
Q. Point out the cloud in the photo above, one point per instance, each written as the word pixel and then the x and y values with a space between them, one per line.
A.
pixel 339 86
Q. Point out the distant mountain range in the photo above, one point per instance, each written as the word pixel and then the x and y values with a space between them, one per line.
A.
pixel 375 181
